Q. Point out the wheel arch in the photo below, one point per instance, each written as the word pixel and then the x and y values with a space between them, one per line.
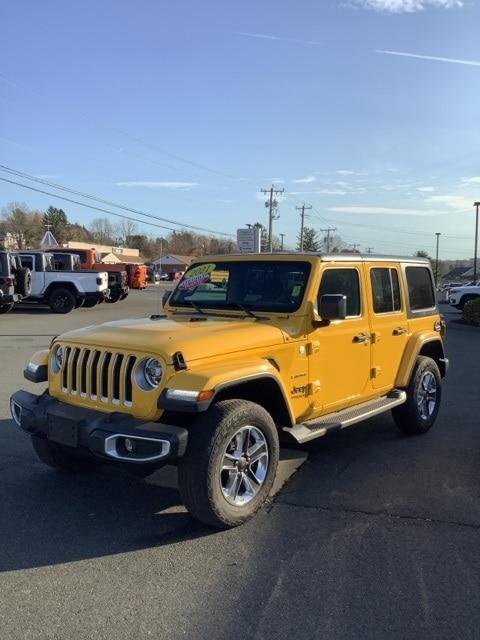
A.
pixel 53 286
pixel 430 345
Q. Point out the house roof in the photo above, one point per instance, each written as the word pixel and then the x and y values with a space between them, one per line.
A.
pixel 458 272
pixel 171 258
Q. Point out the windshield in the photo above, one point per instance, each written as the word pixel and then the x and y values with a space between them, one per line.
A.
pixel 255 285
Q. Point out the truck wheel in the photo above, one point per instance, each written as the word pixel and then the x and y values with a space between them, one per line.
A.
pixel 24 282
pixel 89 303
pixel 58 457
pixel 61 301
pixel 424 393
pixel 115 297
pixel 464 301
pixel 6 308
pixel 230 464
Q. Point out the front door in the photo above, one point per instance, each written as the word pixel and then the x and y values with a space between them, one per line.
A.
pixel 339 362
pixel 389 323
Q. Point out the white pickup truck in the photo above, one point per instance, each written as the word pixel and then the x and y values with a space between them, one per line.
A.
pixel 459 296
pixel 62 290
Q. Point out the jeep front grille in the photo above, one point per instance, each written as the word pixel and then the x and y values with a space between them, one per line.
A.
pixel 98 375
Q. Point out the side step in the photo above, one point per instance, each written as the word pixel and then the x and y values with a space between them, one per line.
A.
pixel 318 427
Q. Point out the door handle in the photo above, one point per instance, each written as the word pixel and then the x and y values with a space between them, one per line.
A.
pixel 362 337
pixel 398 331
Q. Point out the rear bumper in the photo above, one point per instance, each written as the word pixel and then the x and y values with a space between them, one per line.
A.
pixel 6 298
pixel 113 437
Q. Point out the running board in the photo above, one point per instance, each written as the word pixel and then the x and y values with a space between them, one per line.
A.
pixel 318 427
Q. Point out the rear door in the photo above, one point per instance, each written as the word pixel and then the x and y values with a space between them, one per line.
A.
pixel 38 277
pixel 389 323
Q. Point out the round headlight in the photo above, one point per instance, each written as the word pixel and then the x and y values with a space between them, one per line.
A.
pixel 57 358
pixel 152 370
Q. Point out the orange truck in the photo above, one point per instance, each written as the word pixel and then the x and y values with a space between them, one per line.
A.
pixel 135 274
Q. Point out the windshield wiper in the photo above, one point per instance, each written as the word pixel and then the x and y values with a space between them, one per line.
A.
pixel 249 312
pixel 195 306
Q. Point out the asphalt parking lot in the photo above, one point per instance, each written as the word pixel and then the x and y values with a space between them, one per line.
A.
pixel 376 536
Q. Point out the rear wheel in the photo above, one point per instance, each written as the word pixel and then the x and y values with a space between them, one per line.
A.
pixel 61 301
pixel 230 464
pixel 58 457
pixel 424 393
pixel 6 308
pixel 114 297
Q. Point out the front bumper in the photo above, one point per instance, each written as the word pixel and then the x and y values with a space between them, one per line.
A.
pixel 113 437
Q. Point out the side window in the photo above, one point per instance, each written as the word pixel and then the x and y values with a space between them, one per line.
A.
pixel 385 290
pixel 346 282
pixel 27 261
pixel 420 288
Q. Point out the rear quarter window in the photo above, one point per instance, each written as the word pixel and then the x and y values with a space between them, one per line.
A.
pixel 420 288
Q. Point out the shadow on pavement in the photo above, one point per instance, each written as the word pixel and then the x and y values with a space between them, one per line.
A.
pixel 47 518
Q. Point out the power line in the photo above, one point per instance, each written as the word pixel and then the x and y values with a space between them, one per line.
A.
pixel 83 204
pixel 327 238
pixel 55 185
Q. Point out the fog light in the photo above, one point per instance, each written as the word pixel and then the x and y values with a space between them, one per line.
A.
pixel 128 444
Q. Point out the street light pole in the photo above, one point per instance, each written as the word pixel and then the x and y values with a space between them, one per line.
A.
pixel 477 206
pixel 436 258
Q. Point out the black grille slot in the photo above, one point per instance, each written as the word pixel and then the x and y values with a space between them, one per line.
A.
pixel 76 353
pixel 83 371
pixel 93 374
pixel 65 367
pixel 128 378
pixel 105 366
pixel 117 367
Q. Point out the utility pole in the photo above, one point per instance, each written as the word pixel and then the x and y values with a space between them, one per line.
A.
pixel 282 235
pixel 327 238
pixel 436 258
pixel 369 250
pixel 354 246
pixel 272 206
pixel 476 205
pixel 302 224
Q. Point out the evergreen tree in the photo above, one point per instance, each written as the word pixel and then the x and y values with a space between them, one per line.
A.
pixel 310 240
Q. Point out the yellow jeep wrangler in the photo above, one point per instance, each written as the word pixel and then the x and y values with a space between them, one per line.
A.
pixel 248 346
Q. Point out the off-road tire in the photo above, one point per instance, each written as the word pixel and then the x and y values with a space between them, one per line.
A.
pixel 199 468
pixel 58 457
pixel 464 300
pixel 88 304
pixel 113 298
pixel 408 416
pixel 24 282
pixel 6 308
pixel 61 301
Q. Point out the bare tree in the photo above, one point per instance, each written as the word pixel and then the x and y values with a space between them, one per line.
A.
pixel 102 231
pixel 24 226
pixel 126 228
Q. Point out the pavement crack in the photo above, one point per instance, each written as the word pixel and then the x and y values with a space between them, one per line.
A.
pixel 382 514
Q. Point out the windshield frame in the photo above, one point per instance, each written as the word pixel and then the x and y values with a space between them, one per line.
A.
pixel 225 263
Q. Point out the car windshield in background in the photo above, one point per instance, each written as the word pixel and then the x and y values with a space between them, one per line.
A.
pixel 254 285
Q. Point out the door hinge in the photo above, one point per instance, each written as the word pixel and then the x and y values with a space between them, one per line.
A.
pixel 313 387
pixel 313 347
pixel 375 372
pixel 375 337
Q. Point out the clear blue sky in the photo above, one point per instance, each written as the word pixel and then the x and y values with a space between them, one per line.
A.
pixel 109 97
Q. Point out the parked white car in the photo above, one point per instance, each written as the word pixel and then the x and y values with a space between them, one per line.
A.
pixel 62 290
pixel 459 296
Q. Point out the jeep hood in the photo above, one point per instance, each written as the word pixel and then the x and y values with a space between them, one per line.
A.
pixel 195 337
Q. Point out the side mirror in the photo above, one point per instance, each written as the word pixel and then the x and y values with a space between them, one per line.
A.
pixel 165 297
pixel 333 307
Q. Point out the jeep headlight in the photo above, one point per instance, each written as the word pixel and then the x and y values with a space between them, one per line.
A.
pixel 149 374
pixel 57 358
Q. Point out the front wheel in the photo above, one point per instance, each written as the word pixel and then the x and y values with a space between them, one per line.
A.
pixel 424 393
pixel 230 464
